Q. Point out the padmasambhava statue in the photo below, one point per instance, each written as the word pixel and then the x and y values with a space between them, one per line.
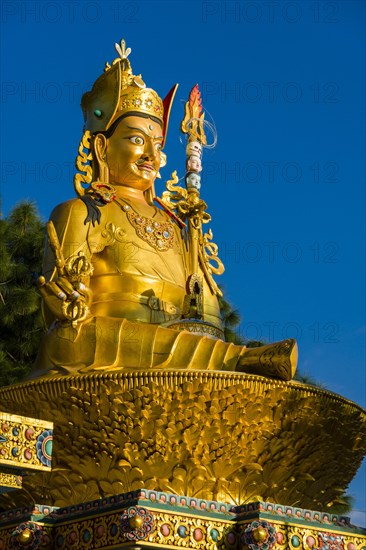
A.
pixel 127 276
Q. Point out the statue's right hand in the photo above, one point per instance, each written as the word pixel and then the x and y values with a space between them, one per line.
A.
pixel 63 300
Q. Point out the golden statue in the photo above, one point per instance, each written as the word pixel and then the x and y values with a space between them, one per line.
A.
pixel 134 322
pixel 127 276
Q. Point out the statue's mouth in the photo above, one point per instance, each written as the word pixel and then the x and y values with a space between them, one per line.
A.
pixel 146 166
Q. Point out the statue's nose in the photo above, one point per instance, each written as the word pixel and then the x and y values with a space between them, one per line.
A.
pixel 150 151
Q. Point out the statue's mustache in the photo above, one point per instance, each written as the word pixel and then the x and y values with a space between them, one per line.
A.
pixel 145 161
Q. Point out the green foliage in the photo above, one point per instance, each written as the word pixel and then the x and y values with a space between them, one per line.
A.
pixel 22 236
pixel 305 378
pixel 230 319
pixel 343 505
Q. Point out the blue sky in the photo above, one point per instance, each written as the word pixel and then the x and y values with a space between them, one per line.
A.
pixel 284 83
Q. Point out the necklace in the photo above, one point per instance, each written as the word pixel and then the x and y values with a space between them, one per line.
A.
pixel 159 235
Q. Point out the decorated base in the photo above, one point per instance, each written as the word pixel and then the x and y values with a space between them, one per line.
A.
pixel 151 519
pixel 213 435
pixel 25 445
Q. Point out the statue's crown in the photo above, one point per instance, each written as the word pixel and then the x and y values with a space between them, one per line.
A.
pixel 117 92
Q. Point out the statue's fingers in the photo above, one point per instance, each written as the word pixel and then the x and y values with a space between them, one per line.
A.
pixel 41 281
pixel 67 288
pixel 57 290
pixel 84 291
pixel 43 290
pixel 50 290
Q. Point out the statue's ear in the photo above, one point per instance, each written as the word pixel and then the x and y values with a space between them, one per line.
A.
pixel 100 147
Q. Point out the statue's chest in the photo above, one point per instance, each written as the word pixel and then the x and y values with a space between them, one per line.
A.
pixel 152 245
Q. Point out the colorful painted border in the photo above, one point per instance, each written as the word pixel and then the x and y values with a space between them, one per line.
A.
pixel 25 443
pixel 154 519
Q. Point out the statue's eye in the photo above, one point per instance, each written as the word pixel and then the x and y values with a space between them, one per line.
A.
pixel 137 140
pixel 158 147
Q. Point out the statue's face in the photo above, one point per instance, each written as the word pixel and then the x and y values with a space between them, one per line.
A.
pixel 193 181
pixel 133 152
pixel 194 163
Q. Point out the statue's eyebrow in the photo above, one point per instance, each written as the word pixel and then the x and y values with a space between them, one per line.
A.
pixel 145 134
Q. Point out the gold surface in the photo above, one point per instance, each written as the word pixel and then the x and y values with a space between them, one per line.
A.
pixel 9 481
pixel 135 522
pixel 25 536
pixel 189 206
pixel 259 535
pixel 116 92
pixel 220 436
